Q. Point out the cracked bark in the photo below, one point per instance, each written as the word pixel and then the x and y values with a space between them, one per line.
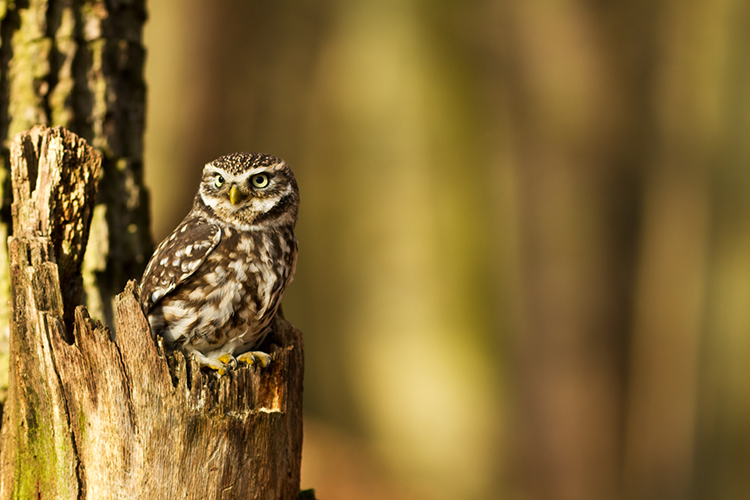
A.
pixel 80 65
pixel 93 414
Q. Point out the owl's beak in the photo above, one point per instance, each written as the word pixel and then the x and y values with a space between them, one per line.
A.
pixel 234 195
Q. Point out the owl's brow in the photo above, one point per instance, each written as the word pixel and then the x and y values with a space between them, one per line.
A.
pixel 210 171
pixel 253 171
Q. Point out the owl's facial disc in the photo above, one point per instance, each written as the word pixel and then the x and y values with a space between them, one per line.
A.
pixel 250 191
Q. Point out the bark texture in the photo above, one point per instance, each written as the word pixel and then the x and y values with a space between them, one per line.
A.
pixel 94 414
pixel 80 65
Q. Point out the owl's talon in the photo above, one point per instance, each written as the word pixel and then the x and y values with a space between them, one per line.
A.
pixel 253 357
pixel 214 364
pixel 228 359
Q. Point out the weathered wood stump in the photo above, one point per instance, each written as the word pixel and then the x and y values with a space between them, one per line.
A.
pixel 97 414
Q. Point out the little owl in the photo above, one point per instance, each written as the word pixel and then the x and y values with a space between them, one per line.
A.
pixel 213 286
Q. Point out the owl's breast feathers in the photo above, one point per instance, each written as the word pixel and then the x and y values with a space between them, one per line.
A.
pixel 228 296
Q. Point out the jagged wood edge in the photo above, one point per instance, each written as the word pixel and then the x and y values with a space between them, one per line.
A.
pixel 62 458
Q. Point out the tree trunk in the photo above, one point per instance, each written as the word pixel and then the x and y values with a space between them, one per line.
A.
pixel 96 414
pixel 80 65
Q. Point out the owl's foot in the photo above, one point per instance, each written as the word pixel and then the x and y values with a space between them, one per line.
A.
pixel 255 357
pixel 250 357
pixel 228 360
pixel 220 365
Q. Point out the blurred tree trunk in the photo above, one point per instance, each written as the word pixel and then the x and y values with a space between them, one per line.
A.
pixel 578 195
pixel 622 113
pixel 691 311
pixel 722 444
pixel 80 65
pixel 92 417
pixel 671 278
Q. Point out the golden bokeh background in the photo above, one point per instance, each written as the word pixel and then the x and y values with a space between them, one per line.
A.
pixel 524 235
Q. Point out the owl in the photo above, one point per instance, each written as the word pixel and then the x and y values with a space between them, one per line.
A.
pixel 213 286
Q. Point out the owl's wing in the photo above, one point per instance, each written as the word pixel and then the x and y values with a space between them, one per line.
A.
pixel 177 258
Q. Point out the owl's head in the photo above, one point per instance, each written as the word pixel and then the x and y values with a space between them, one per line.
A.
pixel 250 191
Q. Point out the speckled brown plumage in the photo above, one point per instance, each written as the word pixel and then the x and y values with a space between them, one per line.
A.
pixel 214 285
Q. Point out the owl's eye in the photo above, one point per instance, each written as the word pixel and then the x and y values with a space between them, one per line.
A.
pixel 218 181
pixel 259 180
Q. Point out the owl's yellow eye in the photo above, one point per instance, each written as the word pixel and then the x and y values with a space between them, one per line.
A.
pixel 259 180
pixel 218 181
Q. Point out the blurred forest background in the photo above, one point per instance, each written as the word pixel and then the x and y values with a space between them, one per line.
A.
pixel 524 236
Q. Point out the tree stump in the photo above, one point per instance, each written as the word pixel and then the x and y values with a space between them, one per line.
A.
pixel 96 414
pixel 79 65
